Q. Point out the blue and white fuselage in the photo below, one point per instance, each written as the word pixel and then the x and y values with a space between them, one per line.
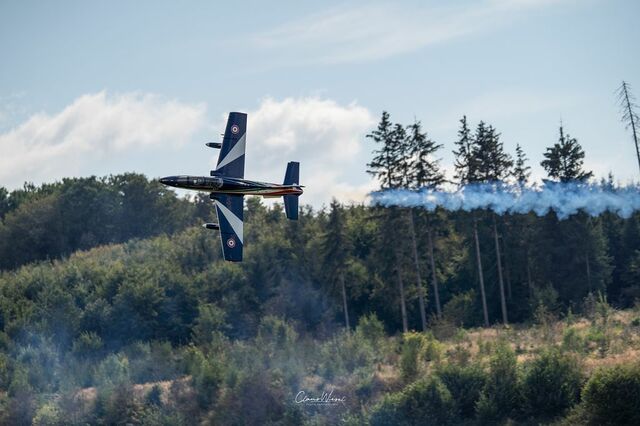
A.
pixel 227 187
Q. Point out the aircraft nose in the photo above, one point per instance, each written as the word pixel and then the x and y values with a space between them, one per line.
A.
pixel 166 181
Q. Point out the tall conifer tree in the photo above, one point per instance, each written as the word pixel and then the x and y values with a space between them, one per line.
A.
pixel 573 256
pixel 493 166
pixel 335 250
pixel 521 171
pixel 466 173
pixel 565 159
pixel 389 167
pixel 426 173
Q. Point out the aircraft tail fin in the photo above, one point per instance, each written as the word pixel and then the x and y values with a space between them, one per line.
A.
pixel 291 206
pixel 291 177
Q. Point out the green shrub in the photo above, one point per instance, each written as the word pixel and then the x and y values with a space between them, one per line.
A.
pixel 370 328
pixel 570 318
pixel 551 384
pixel 19 382
pixel 42 363
pixel 412 346
pixel 599 336
pixel 276 334
pixel 425 402
pixel 207 382
pixel 433 350
pixel 344 354
pixel 113 370
pixel 459 355
pixel 465 384
pixel 5 373
pixel 461 310
pixel 206 375
pixel 47 414
pixel 121 407
pixel 612 396
pixel 546 320
pixel 154 397
pixel 87 345
pixel 572 340
pixel 151 362
pixel 603 310
pixel 256 399
pixel 155 416
pixel 485 347
pixel 210 324
pixel 501 396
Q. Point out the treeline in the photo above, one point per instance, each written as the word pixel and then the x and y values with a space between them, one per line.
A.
pixel 54 220
pixel 501 266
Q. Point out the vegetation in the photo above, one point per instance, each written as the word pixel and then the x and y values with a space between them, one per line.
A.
pixel 116 308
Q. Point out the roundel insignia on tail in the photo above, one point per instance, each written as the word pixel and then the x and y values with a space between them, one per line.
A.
pixel 235 129
pixel 231 243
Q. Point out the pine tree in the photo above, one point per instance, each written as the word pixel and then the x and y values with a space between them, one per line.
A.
pixel 517 242
pixel 426 173
pixel 492 162
pixel 573 255
pixel 335 250
pixel 464 164
pixel 466 172
pixel 384 163
pixel 400 141
pixel 564 160
pixel 425 169
pixel 521 171
pixel 390 167
pixel 493 165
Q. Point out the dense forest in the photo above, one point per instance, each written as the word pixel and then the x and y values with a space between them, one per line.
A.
pixel 116 308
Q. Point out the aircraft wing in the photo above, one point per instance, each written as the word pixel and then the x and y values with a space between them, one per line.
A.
pixel 230 212
pixel 231 159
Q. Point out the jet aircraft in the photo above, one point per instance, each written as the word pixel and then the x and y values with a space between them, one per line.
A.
pixel 227 187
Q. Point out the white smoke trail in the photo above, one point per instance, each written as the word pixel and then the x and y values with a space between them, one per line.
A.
pixel 564 199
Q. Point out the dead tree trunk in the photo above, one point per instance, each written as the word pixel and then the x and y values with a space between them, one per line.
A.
pixel 344 303
pixel 403 307
pixel 529 281
pixel 586 258
pixel 507 269
pixel 629 115
pixel 503 302
pixel 507 277
pixel 423 314
pixel 480 274
pixel 434 275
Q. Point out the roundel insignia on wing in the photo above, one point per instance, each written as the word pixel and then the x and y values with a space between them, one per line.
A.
pixel 231 243
pixel 235 129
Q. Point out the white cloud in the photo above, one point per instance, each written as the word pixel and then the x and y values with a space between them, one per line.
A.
pixel 93 128
pixel 375 31
pixel 326 137
pixel 102 133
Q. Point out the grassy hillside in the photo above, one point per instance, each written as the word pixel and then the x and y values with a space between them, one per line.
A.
pixel 161 331
pixel 538 374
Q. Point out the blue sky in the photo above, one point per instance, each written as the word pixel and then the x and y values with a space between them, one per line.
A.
pixel 105 87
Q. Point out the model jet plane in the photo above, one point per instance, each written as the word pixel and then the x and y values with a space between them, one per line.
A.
pixel 227 186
